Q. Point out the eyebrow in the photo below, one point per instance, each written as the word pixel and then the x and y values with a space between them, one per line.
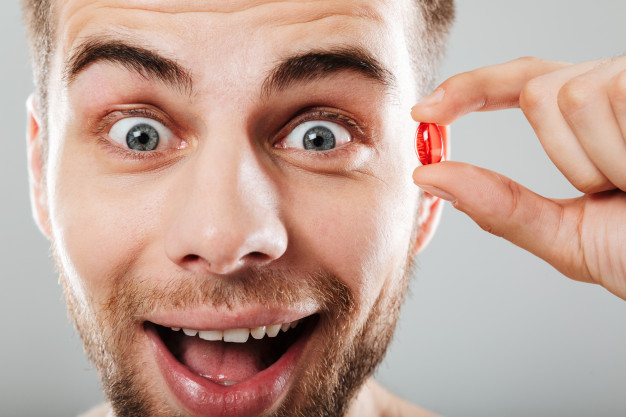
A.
pixel 304 67
pixel 314 65
pixel 133 57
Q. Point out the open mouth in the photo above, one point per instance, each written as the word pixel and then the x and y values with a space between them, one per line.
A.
pixel 230 357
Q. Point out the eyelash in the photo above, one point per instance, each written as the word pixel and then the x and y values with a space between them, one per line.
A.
pixel 128 154
pixel 357 131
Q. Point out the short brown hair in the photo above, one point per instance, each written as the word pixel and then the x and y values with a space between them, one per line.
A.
pixel 38 17
pixel 432 22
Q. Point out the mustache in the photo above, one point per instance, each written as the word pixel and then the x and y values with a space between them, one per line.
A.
pixel 137 296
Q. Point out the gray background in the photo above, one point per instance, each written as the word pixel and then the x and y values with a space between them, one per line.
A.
pixel 489 330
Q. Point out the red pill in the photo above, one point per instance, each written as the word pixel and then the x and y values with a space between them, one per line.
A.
pixel 429 143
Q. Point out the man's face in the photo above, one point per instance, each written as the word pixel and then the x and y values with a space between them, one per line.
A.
pixel 218 166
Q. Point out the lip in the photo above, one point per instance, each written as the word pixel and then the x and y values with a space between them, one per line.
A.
pixel 248 398
pixel 213 319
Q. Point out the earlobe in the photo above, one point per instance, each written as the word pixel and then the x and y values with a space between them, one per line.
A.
pixel 428 220
pixel 431 206
pixel 38 198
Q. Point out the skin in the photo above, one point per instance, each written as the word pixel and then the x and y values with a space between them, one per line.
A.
pixel 228 196
pixel 579 115
pixel 309 213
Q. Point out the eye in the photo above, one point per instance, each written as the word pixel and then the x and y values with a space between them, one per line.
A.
pixel 141 134
pixel 317 135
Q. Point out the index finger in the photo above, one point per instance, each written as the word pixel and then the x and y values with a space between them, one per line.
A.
pixel 489 88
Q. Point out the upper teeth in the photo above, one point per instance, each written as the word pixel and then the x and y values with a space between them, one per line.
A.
pixel 239 335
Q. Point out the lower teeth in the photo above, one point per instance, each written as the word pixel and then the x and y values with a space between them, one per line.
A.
pixel 226 383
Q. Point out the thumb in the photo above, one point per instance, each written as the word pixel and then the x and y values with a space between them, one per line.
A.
pixel 506 209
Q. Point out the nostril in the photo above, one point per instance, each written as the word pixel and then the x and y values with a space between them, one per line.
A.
pixel 198 262
pixel 191 258
pixel 258 257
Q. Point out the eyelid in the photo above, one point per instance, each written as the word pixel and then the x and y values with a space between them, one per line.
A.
pixel 103 126
pixel 295 138
pixel 330 116
pixel 118 133
pixel 357 130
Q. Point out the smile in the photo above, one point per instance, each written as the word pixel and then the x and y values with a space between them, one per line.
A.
pixel 241 371
pixel 239 335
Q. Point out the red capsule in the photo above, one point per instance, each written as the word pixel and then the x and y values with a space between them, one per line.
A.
pixel 429 143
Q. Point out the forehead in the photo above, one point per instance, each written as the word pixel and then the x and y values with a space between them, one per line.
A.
pixel 235 37
pixel 251 15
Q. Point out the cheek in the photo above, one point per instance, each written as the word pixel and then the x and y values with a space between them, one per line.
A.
pixel 357 229
pixel 102 224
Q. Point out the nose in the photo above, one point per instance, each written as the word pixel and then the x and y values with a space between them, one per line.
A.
pixel 226 217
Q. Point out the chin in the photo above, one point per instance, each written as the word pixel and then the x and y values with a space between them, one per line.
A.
pixel 165 352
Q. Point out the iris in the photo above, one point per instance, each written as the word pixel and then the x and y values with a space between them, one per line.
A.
pixel 318 138
pixel 142 137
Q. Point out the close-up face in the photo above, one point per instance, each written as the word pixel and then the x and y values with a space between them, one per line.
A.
pixel 228 192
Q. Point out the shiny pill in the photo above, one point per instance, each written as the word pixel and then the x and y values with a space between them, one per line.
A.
pixel 429 143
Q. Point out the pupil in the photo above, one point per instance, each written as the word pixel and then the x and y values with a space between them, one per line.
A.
pixel 318 141
pixel 143 138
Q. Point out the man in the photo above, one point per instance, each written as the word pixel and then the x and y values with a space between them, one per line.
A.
pixel 227 187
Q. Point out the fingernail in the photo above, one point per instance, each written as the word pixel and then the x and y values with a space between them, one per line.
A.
pixel 434 98
pixel 437 192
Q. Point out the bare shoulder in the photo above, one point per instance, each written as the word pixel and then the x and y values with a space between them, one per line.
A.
pixel 376 401
pixel 100 411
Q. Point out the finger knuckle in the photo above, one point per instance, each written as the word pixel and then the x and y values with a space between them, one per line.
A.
pixel 617 89
pixel 576 94
pixel 529 60
pixel 533 96
pixel 509 194
pixel 514 196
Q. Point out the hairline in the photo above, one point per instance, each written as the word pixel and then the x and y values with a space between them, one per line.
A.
pixel 432 18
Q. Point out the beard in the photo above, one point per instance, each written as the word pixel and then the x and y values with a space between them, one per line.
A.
pixel 352 350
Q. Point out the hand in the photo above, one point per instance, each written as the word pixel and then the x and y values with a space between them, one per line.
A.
pixel 579 115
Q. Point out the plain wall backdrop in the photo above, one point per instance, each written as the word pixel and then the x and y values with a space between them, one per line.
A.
pixel 488 330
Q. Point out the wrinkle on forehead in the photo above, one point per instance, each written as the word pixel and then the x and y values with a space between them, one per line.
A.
pixel 74 15
pixel 262 31
pixel 356 8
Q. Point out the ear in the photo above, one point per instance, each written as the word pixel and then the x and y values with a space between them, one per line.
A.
pixel 431 206
pixel 38 197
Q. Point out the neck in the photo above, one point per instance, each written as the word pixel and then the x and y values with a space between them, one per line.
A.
pixel 375 401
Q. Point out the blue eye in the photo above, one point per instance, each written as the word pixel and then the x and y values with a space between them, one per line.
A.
pixel 141 134
pixel 317 135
